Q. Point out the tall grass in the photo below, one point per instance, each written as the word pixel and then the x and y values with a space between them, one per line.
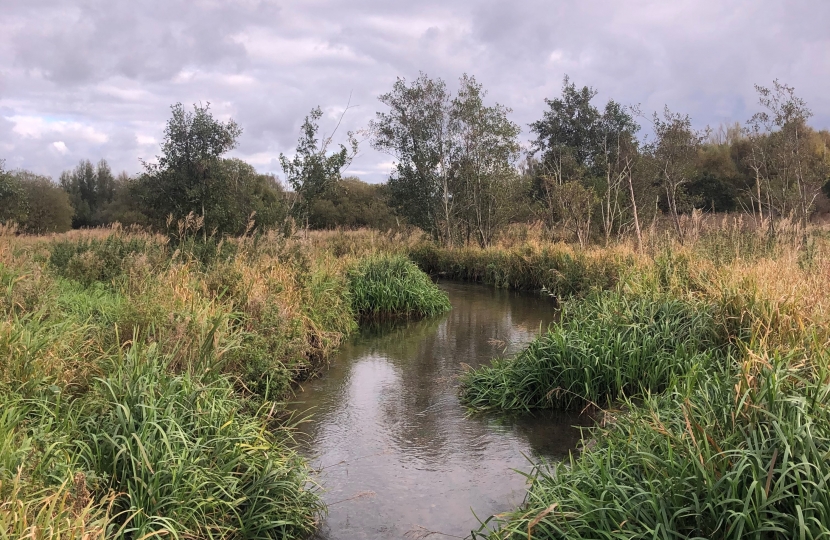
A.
pixel 384 286
pixel 186 460
pixel 716 423
pixel 142 379
pixel 557 268
pixel 605 347
pixel 729 453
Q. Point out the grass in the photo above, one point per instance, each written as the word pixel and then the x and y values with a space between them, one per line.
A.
pixel 142 380
pixel 707 459
pixel 557 268
pixel 389 286
pixel 185 458
pixel 605 348
pixel 708 363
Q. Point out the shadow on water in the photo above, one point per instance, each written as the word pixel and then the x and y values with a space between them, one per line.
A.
pixel 397 454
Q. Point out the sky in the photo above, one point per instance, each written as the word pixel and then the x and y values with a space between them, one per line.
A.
pixel 95 79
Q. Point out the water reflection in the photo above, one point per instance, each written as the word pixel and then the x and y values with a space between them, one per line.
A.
pixel 396 451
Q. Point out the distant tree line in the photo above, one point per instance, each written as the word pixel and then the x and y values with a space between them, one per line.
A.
pixel 460 172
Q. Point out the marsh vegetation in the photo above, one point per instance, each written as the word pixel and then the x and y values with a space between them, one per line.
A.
pixel 145 359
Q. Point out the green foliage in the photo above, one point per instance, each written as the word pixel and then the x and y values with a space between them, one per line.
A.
pixel 191 178
pixel 14 205
pixel 413 131
pixel 311 173
pixel 125 206
pixel 352 204
pixel 392 286
pixel 607 347
pixel 90 189
pixel 708 459
pixel 455 158
pixel 185 458
pixel 49 209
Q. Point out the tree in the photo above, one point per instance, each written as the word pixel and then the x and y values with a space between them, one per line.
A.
pixel 312 172
pixel 49 209
pixel 568 134
pixel 90 188
pixel 484 150
pixel 674 152
pixel 415 132
pixel 617 156
pixel 788 157
pixel 191 176
pixel 125 206
pixel 598 149
pixel 14 205
pixel 351 204
pixel 455 158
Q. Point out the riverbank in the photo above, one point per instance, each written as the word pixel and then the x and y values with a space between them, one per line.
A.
pixel 142 378
pixel 716 351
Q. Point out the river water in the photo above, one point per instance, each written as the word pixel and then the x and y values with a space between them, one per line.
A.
pixel 397 455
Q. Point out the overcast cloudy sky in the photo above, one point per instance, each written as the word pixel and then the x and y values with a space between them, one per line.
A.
pixel 95 78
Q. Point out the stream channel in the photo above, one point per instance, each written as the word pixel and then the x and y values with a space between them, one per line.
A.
pixel 398 456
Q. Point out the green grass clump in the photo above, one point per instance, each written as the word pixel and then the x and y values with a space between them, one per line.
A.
pixel 734 452
pixel 606 347
pixel 388 286
pixel 183 456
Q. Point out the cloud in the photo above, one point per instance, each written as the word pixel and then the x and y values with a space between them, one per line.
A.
pixel 99 76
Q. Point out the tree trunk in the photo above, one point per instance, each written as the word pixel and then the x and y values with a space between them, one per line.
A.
pixel 636 216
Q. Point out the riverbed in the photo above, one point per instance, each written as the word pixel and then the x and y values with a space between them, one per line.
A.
pixel 397 454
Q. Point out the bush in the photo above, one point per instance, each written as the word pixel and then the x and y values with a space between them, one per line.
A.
pixel 49 207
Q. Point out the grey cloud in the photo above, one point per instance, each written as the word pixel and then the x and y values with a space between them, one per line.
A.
pixel 116 67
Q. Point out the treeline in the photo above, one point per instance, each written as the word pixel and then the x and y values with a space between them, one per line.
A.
pixel 592 173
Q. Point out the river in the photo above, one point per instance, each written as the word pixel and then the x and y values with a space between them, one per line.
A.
pixel 398 457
